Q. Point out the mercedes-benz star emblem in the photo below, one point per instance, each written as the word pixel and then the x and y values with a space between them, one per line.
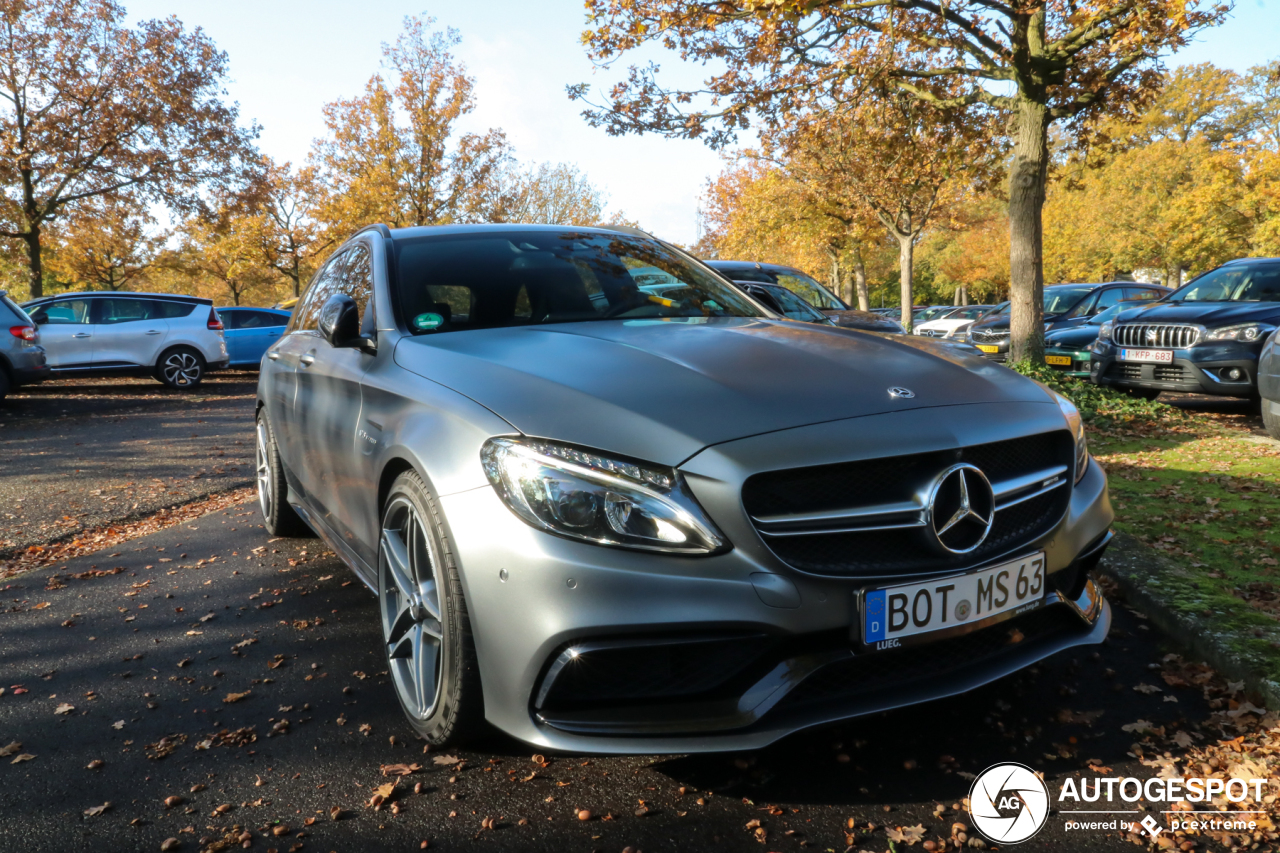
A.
pixel 961 508
pixel 901 393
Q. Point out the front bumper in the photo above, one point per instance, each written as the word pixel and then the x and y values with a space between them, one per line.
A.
pixel 592 649
pixel 1202 369
pixel 1078 361
pixel 994 350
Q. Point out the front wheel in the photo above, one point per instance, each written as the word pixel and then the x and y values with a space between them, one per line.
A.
pixel 425 628
pixel 1270 420
pixel 181 368
pixel 278 516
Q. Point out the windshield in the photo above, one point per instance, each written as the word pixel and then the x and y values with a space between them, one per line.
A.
pixel 793 307
pixel 937 312
pixel 1236 283
pixel 1060 299
pixel 1109 314
pixel 493 279
pixel 972 312
pixel 810 291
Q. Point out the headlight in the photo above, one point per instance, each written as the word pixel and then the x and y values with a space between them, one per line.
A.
pixel 1104 331
pixel 1076 424
pixel 590 497
pixel 1247 332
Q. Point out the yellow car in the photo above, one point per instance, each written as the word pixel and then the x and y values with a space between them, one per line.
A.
pixel 288 304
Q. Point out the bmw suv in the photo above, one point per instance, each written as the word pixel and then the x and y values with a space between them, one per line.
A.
pixel 176 339
pixel 606 519
pixel 1204 338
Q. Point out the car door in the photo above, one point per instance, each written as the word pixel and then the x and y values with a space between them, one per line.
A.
pixel 129 332
pixel 284 360
pixel 232 333
pixel 258 331
pixel 66 332
pixel 329 403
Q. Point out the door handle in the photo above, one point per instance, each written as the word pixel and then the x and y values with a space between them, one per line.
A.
pixel 273 355
pixel 154 332
pixel 307 360
pixel 82 335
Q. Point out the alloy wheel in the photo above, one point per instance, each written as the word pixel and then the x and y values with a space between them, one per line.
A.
pixel 264 469
pixel 409 588
pixel 181 369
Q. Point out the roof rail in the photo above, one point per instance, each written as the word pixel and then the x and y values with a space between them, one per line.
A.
pixel 379 227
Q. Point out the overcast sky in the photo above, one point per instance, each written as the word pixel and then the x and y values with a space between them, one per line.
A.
pixel 290 57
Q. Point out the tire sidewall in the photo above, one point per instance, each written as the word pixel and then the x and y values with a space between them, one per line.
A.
pixel 440 725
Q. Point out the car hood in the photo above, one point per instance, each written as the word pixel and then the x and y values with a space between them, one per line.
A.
pixel 1076 337
pixel 1208 314
pixel 661 390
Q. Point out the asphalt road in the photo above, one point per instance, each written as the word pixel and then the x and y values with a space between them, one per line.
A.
pixel 83 453
pixel 212 608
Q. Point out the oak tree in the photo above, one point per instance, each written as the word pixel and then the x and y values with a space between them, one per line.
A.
pixel 90 107
pixel 104 243
pixel 1036 61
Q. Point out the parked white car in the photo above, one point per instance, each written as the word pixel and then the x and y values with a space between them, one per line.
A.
pixel 176 339
pixel 954 323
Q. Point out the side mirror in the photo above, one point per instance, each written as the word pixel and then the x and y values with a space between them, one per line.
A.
pixel 339 321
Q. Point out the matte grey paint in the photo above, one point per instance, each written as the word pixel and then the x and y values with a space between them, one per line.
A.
pixel 721 400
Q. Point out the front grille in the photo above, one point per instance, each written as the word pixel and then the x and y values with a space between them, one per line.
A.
pixel 1154 335
pixel 905 547
pixel 989 337
pixel 896 668
pixel 1123 370
pixel 1169 373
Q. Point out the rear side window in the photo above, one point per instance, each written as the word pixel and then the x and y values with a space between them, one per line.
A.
pixel 127 310
pixel 172 310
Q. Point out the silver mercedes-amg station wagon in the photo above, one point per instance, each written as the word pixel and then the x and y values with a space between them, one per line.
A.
pixel 610 516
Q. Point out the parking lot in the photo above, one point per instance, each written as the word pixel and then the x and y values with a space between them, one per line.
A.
pixel 243 676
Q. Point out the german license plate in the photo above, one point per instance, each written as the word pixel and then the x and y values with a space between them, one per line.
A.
pixel 900 615
pixel 1159 356
pixel 987 348
pixel 1064 360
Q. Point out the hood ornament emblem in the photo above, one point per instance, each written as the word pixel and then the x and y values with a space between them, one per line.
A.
pixel 901 393
pixel 961 508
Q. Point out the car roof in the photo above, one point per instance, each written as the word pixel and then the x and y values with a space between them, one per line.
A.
pixel 498 228
pixel 718 264
pixel 115 294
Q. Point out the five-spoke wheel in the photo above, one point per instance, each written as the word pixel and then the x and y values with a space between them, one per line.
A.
pixel 412 621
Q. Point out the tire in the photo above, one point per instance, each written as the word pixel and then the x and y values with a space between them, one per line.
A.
pixel 1270 421
pixel 273 491
pixel 182 368
pixel 425 627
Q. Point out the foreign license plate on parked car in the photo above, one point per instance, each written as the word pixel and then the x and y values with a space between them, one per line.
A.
pixel 987 348
pixel 899 615
pixel 1159 356
pixel 1058 359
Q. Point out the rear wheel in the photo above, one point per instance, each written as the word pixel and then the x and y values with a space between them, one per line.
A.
pixel 430 650
pixel 181 368
pixel 1270 420
pixel 273 491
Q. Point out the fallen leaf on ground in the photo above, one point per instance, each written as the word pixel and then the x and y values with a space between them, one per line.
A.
pixel 908 835
pixel 64 708
pixel 169 844
pixel 446 759
pixel 400 769
pixel 381 794
pixel 10 749
pixel 235 697
pixel 95 764
pixel 97 810
pixel 26 756
pixel 1146 688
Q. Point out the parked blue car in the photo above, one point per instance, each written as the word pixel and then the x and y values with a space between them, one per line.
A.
pixel 249 331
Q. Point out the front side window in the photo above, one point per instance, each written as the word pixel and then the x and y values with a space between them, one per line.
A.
pixel 356 277
pixel 1236 283
pixel 324 285
pixel 63 312
pixel 793 307
pixel 1058 300
pixel 490 279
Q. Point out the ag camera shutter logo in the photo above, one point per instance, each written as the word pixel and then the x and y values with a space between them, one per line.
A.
pixel 1008 803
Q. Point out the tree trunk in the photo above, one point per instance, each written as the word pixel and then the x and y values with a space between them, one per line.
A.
pixel 835 273
pixel 906 257
pixel 34 265
pixel 1026 231
pixel 860 280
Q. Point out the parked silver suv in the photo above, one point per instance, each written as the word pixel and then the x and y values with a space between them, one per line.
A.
pixel 176 339
pixel 22 359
